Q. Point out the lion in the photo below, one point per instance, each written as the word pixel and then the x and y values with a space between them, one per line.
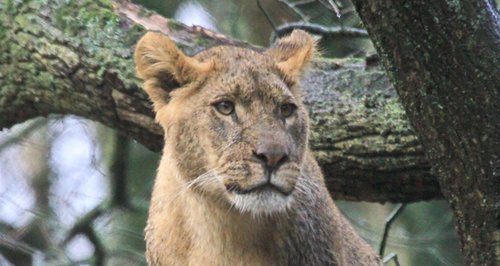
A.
pixel 237 183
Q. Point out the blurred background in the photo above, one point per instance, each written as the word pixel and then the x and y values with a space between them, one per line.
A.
pixel 74 192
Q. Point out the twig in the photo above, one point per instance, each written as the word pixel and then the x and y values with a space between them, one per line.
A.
pixel 32 126
pixel 99 251
pixel 20 245
pixel 9 243
pixel 118 197
pixel 268 18
pixel 331 5
pixel 300 3
pixel 85 222
pixel 320 30
pixel 84 227
pixel 347 10
pixel 293 7
pixel 118 171
pixel 391 256
pixel 388 222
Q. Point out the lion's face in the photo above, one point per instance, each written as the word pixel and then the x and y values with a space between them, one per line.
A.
pixel 237 129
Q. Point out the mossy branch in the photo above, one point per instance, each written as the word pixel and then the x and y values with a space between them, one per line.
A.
pixel 75 57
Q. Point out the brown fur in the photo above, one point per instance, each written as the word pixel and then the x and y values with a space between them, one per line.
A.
pixel 205 208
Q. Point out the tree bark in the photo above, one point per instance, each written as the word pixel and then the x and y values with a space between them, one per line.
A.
pixel 75 57
pixel 444 58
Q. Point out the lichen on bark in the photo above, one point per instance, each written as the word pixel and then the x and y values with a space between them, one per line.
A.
pixel 75 57
pixel 443 58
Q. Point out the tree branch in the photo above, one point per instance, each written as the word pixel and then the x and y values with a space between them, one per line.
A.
pixel 388 223
pixel 118 171
pixel 294 7
pixel 324 31
pixel 84 223
pixel 73 57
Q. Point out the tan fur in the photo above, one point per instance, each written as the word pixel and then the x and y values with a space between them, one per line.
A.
pixel 217 200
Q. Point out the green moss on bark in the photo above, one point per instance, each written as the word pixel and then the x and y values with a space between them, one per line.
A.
pixel 76 57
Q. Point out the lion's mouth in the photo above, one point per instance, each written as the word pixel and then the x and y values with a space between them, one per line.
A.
pixel 258 188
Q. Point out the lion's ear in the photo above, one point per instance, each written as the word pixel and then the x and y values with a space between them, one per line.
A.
pixel 293 53
pixel 159 62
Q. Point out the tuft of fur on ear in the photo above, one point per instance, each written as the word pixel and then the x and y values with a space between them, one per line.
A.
pixel 158 60
pixel 293 53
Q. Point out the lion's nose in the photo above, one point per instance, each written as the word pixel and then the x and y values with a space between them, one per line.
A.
pixel 272 155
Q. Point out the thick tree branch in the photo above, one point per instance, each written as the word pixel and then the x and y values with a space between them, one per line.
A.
pixel 72 57
pixel 444 58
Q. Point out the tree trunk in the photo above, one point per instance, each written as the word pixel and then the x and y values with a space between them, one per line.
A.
pixel 75 57
pixel 444 58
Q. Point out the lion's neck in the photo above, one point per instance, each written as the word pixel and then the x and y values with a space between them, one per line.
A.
pixel 188 228
pixel 221 232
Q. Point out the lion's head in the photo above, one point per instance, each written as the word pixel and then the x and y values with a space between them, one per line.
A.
pixel 235 124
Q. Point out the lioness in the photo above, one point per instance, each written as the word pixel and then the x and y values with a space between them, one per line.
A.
pixel 237 183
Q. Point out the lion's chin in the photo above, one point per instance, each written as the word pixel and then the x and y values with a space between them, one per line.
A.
pixel 264 202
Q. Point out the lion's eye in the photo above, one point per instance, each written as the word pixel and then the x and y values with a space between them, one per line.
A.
pixel 225 107
pixel 287 109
